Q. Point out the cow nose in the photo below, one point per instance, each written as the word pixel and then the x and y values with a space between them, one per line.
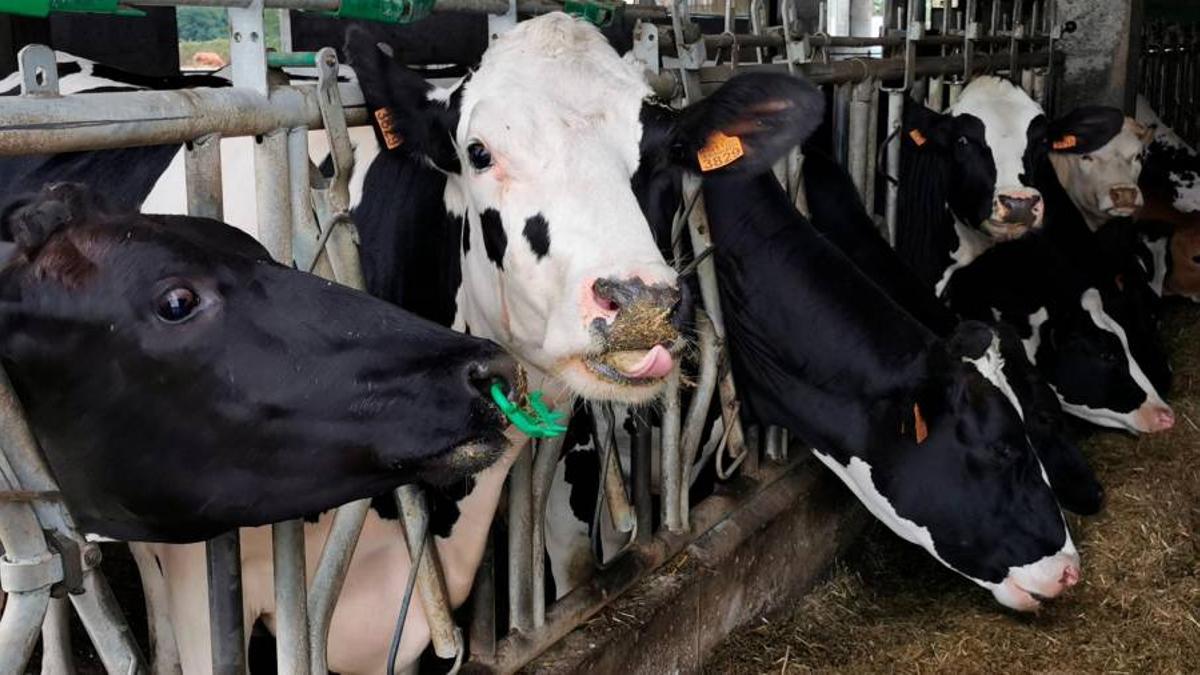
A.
pixel 613 296
pixel 1070 576
pixel 1125 196
pixel 1020 208
pixel 501 369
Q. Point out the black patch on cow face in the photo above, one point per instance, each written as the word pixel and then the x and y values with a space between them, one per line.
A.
pixel 495 241
pixel 1086 364
pixel 466 234
pixel 538 235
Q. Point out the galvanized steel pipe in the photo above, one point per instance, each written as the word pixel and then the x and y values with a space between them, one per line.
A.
pixel 445 636
pixel 520 540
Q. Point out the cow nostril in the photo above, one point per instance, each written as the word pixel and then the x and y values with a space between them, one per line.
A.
pixel 482 375
pixel 1070 576
pixel 604 294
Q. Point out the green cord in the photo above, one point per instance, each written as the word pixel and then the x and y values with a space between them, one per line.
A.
pixel 538 421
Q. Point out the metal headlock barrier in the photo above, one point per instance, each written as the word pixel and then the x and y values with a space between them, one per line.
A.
pixel 927 54
pixel 1170 75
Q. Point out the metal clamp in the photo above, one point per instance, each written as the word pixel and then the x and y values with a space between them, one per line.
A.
pixel 39 71
pixel 22 576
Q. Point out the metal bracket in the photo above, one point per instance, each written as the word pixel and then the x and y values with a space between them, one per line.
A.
pixel 71 556
pixel 499 24
pixel 22 576
pixel 247 47
pixel 39 71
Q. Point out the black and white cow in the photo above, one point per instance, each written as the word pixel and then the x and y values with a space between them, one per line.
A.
pixel 1082 350
pixel 837 212
pixel 148 352
pixel 967 175
pixel 927 433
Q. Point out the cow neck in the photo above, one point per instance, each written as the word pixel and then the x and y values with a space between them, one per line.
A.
pixel 925 233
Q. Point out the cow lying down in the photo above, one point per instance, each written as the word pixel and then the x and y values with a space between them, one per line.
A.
pixel 927 432
pixel 182 384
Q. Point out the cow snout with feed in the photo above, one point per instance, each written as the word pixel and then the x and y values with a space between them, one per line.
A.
pixel 634 322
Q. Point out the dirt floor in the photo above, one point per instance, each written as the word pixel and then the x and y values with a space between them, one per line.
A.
pixel 887 606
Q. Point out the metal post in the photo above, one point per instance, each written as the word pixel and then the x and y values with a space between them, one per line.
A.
pixel 520 541
pixel 640 480
pixel 56 638
pixel 872 149
pixel 672 464
pixel 545 461
pixel 330 574
pixel 483 601
pixel 445 636
pixel 860 111
pixel 895 121
pixel 24 549
pixel 224 556
pixel 697 415
pixel 291 608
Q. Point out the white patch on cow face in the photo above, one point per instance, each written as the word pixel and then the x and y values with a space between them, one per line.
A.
pixel 971 244
pixel 1103 184
pixel 1040 577
pixel 1158 257
pixel 557 112
pixel 1034 341
pixel 1143 418
pixel 991 366
pixel 1006 112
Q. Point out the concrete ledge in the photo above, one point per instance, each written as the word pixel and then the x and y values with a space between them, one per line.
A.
pixel 756 561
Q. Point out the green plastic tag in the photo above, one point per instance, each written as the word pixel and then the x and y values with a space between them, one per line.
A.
pixel 597 12
pixel 536 421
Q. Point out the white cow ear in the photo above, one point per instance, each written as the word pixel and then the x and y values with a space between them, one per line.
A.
pixel 747 124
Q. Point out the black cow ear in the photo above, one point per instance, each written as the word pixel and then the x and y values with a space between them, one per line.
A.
pixel 925 129
pixel 1083 130
pixel 971 340
pixel 406 118
pixel 746 125
pixel 29 221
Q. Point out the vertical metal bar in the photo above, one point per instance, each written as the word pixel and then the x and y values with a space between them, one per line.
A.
pixel 23 542
pixel 895 120
pixel 330 574
pixel 520 541
pixel 445 636
pixel 860 110
pixel 274 213
pixel 224 556
pixel 671 459
pixel 641 470
pixel 291 607
pixel 545 461
pixel 56 638
pixel 697 415
pixel 620 509
pixel 483 601
pixel 105 625
pixel 872 149
pixel 202 171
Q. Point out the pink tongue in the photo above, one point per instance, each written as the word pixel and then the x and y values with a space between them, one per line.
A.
pixel 656 363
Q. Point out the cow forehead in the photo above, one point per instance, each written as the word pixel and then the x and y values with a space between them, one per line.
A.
pixel 560 73
pixel 1006 112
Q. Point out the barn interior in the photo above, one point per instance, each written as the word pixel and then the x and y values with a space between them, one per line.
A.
pixel 780 569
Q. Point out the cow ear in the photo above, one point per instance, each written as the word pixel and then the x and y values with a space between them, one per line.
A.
pixel 29 221
pixel 1084 129
pixel 746 125
pixel 407 112
pixel 924 129
pixel 970 340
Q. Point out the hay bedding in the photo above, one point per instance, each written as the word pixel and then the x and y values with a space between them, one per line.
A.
pixel 888 607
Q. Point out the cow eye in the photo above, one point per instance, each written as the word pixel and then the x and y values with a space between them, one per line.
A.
pixel 962 140
pixel 177 304
pixel 478 155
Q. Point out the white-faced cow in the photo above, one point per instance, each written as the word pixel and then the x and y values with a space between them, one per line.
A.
pixel 967 175
pixel 927 433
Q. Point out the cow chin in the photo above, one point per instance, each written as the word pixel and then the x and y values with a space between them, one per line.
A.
pixel 463 460
pixel 591 378
pixel 1006 231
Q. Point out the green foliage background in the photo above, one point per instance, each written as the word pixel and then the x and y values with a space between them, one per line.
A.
pixel 206 29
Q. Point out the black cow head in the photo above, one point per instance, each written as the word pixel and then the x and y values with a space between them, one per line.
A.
pixel 951 469
pixel 181 383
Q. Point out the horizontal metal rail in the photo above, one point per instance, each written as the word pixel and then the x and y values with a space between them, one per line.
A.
pixel 775 38
pixel 107 120
pixel 529 7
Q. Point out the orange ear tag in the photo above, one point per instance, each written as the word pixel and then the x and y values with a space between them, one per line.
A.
pixel 1065 143
pixel 720 151
pixel 921 431
pixel 391 138
pixel 917 137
